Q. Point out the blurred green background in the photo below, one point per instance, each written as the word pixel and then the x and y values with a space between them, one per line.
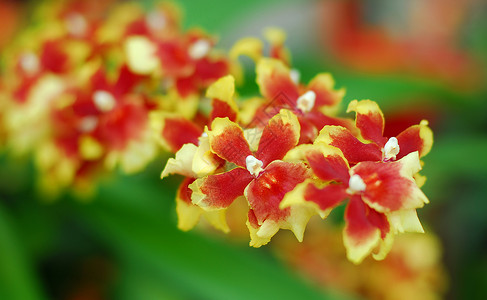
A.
pixel 124 244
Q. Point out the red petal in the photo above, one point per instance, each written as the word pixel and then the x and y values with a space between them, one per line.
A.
pixel 362 220
pixel 331 167
pixel 53 58
pixel 187 86
pixel 319 120
pixel 354 150
pixel 364 229
pixel 369 120
pixel 221 109
pixel 279 136
pixel 308 131
pixel 175 59
pixel 227 141
pixel 184 192
pixel 415 138
pixel 322 85
pixel 386 187
pixel 275 83
pixel 208 70
pixel 122 125
pixel 266 192
pixel 178 131
pixel 327 197
pixel 219 191
pixel 222 94
pixel 126 81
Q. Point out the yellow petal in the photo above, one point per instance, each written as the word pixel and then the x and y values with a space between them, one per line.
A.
pixel 364 107
pixel 204 162
pixel 217 219
pixel 188 215
pixel 295 198
pixel 90 149
pixel 249 46
pixel 223 89
pixel 141 55
pixel 411 165
pixel 275 35
pixel 405 221
pixel 426 134
pixel 138 154
pixel 355 253
pixel 182 164
pixel 262 235
pixel 385 246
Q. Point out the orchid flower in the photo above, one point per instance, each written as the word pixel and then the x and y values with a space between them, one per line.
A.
pixel 371 144
pixel 383 196
pixel 312 104
pixel 258 174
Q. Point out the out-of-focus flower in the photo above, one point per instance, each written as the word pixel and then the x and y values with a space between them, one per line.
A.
pixel 186 63
pixel 313 103
pixel 421 38
pixel 75 94
pixel 412 269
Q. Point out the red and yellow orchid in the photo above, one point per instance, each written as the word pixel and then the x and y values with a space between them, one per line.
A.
pixel 312 104
pixel 371 145
pixel 90 94
pixel 258 173
pixel 193 157
pixel 383 196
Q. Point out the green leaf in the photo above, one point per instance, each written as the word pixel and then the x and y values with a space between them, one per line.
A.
pixel 17 280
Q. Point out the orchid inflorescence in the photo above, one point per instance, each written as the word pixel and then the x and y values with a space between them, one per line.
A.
pixel 291 158
pixel 94 93
pixel 82 80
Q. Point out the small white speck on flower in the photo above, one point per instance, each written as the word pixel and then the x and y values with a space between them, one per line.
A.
pixel 104 101
pixel 29 62
pixel 391 149
pixel 88 124
pixel 356 184
pixel 76 24
pixel 156 20
pixel 202 136
pixel 306 101
pixel 254 166
pixel 199 49
pixel 295 75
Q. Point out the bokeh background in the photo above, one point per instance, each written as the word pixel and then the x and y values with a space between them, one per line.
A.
pixel 419 59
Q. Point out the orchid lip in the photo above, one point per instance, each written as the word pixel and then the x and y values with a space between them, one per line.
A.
pixel 104 100
pixel 391 149
pixel 356 184
pixel 202 136
pixel 199 49
pixel 156 20
pixel 76 24
pixel 306 102
pixel 30 62
pixel 254 166
pixel 295 75
pixel 88 124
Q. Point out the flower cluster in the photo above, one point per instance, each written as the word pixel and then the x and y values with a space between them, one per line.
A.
pixel 290 157
pixel 81 82
pixel 90 89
